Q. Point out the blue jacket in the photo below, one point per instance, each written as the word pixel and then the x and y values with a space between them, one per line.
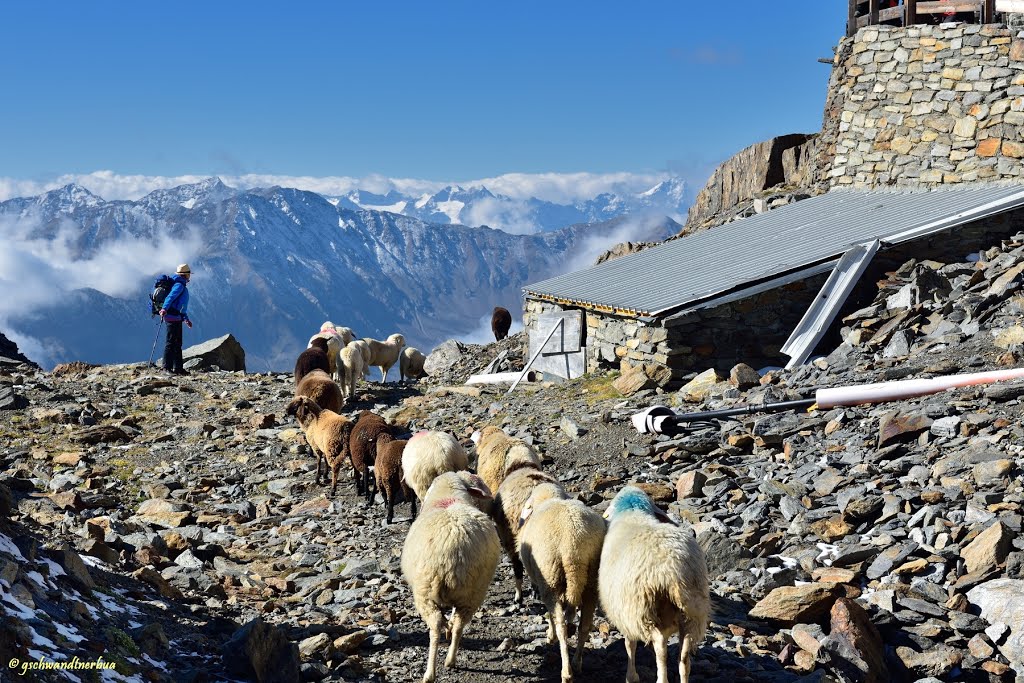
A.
pixel 176 303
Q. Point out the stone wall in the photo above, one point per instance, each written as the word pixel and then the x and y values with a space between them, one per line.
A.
pixel 753 329
pixel 924 106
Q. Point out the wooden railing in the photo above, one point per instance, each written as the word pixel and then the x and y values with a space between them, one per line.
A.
pixel 909 12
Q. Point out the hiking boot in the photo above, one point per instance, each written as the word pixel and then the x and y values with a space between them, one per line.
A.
pixel 181 371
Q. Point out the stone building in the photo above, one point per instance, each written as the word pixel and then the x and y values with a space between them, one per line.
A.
pixel 921 149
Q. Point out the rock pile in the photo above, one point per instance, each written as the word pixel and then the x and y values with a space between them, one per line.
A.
pixel 173 526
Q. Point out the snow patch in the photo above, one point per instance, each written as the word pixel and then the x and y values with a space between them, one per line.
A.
pixel 188 204
pixel 452 209
pixel 7 546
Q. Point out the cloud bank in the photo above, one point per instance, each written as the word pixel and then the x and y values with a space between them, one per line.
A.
pixel 42 271
pixel 562 188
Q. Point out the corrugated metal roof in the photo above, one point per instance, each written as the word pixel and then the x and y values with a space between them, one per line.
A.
pixel 800 235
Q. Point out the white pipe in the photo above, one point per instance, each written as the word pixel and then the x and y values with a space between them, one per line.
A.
pixel 500 377
pixel 909 388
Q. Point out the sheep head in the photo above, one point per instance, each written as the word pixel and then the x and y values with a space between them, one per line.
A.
pixel 303 408
pixel 633 499
pixel 397 339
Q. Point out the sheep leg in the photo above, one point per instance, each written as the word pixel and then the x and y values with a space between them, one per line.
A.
pixel 631 675
pixel 685 648
pixel 389 500
pixel 436 623
pixel 659 641
pixel 587 610
pixel 551 635
pixel 517 570
pixel 563 640
pixel 461 618
pixel 371 486
pixel 319 458
pixel 334 476
pixel 412 504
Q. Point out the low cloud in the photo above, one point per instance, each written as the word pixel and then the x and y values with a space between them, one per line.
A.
pixel 481 333
pixel 511 217
pixel 562 188
pixel 41 271
pixel 633 229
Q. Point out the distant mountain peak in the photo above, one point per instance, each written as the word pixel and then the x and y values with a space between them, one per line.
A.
pixel 73 195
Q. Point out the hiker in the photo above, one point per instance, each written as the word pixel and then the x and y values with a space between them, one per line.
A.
pixel 173 311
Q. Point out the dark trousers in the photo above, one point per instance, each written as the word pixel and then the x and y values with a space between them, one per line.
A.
pixel 172 349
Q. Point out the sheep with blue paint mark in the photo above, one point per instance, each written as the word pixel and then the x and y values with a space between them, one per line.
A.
pixel 653 582
pixel 448 560
pixel 560 542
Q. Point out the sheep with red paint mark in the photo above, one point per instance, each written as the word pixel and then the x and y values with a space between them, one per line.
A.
pixel 448 560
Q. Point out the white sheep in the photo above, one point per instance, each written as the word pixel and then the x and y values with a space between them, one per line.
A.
pixel 334 347
pixel 364 350
pixel 350 362
pixel 495 448
pixel 410 363
pixel 448 560
pixel 653 581
pixel 522 475
pixel 384 354
pixel 346 333
pixel 560 544
pixel 429 455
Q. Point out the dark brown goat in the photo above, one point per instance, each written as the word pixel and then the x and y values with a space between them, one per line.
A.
pixel 501 320
pixel 387 470
pixel 313 358
pixel 362 450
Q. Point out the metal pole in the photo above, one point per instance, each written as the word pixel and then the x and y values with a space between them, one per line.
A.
pixel 536 355
pixel 155 337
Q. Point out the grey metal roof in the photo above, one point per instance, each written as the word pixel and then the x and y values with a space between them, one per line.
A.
pixel 792 237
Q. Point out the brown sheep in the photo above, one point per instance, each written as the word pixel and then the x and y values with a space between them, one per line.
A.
pixel 501 320
pixel 322 389
pixel 387 470
pixel 326 432
pixel 363 450
pixel 313 358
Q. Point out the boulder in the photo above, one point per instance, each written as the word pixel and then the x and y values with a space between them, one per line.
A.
pixel 224 353
pixel 749 172
pixel 999 602
pixel 262 652
pixel 9 351
pixel 443 357
pixel 805 603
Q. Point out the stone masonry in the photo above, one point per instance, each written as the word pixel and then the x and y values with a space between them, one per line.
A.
pixel 927 105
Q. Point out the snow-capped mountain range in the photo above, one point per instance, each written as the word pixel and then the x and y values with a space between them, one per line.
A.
pixel 270 265
pixel 478 206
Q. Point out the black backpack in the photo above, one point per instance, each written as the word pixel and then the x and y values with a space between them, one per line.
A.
pixel 161 288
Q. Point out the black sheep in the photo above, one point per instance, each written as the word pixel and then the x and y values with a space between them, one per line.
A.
pixel 501 320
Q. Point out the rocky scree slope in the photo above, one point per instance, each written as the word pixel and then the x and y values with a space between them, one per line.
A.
pixel 149 520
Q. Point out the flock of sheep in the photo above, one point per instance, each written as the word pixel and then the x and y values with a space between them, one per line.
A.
pixel 648 573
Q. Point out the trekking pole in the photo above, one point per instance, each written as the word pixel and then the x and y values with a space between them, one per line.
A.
pixel 157 336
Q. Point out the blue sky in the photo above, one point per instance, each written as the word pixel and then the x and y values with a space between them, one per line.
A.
pixel 433 90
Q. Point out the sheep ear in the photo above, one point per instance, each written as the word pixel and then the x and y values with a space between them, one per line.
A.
pixel 527 511
pixel 661 516
pixel 476 492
